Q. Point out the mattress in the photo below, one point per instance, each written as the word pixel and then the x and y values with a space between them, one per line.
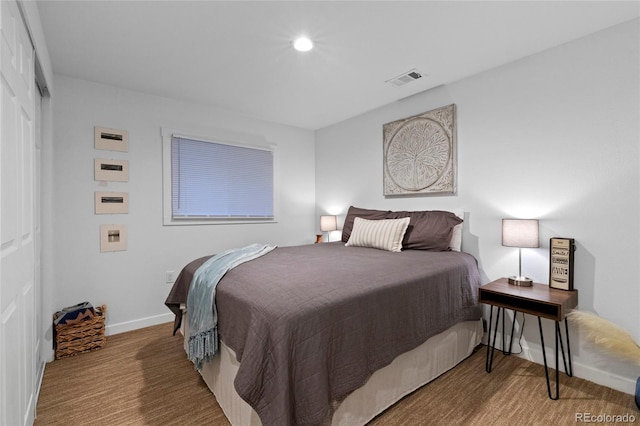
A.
pixel 405 374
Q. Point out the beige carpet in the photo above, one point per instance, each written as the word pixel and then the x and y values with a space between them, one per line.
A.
pixel 143 378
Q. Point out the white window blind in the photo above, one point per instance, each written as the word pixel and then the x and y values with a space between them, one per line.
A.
pixel 220 181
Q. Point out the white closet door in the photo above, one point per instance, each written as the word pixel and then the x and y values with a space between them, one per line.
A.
pixel 17 247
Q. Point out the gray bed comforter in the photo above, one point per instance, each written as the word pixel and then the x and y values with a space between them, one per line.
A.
pixel 310 324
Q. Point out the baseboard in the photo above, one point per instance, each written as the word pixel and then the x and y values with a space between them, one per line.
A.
pixel 583 371
pixel 39 378
pixel 613 381
pixel 137 324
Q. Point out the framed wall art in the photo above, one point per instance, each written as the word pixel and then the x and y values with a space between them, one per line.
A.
pixel 111 139
pixel 561 263
pixel 420 154
pixel 111 202
pixel 113 238
pixel 111 170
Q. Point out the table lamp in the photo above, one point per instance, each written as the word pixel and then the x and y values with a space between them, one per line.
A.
pixel 521 233
pixel 328 224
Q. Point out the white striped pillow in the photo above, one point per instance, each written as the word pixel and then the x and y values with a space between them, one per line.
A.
pixel 385 234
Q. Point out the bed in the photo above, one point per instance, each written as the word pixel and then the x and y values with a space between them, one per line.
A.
pixel 334 332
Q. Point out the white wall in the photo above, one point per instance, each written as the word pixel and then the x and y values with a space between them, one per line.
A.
pixel 132 283
pixel 554 136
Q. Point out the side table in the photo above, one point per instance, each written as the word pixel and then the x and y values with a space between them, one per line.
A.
pixel 539 300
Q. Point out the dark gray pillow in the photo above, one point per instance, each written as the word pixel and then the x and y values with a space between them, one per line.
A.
pixel 363 213
pixel 428 230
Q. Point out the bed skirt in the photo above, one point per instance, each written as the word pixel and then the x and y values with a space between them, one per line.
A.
pixel 385 387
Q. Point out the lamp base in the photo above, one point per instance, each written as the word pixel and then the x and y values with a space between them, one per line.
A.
pixel 520 281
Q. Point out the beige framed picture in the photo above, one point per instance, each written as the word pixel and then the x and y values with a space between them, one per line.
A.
pixel 111 170
pixel 113 238
pixel 111 139
pixel 111 202
pixel 561 263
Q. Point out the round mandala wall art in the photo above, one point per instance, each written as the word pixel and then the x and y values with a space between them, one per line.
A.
pixel 419 154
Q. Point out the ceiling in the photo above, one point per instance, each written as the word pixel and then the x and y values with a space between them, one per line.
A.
pixel 238 54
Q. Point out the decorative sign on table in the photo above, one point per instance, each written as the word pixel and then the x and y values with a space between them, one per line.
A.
pixel 561 263
pixel 420 153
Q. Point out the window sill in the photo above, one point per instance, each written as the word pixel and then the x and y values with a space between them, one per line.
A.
pixel 199 222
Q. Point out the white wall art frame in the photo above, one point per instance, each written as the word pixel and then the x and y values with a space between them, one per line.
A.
pixel 113 238
pixel 111 202
pixel 111 170
pixel 111 139
pixel 420 154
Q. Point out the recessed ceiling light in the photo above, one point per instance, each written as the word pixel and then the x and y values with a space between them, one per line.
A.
pixel 303 44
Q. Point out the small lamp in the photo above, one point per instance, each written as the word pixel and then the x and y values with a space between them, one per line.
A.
pixel 328 224
pixel 521 233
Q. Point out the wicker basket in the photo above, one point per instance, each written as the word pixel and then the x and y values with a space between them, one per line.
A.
pixel 84 336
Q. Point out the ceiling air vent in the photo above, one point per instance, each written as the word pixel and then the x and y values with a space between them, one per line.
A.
pixel 405 78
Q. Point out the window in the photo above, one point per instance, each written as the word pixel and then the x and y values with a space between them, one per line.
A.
pixel 210 181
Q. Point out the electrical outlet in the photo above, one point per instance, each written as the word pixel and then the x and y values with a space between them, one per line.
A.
pixel 170 277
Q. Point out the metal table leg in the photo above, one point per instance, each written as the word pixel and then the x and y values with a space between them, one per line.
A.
pixel 567 367
pixel 492 346
pixel 568 370
pixel 513 327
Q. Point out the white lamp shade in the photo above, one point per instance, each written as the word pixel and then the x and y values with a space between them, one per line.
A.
pixel 328 223
pixel 521 233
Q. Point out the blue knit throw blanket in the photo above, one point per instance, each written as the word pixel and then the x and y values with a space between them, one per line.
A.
pixel 201 309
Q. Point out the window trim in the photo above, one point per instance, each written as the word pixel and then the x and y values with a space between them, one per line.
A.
pixel 220 137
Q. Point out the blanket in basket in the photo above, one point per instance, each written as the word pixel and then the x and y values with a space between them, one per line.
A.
pixel 74 314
